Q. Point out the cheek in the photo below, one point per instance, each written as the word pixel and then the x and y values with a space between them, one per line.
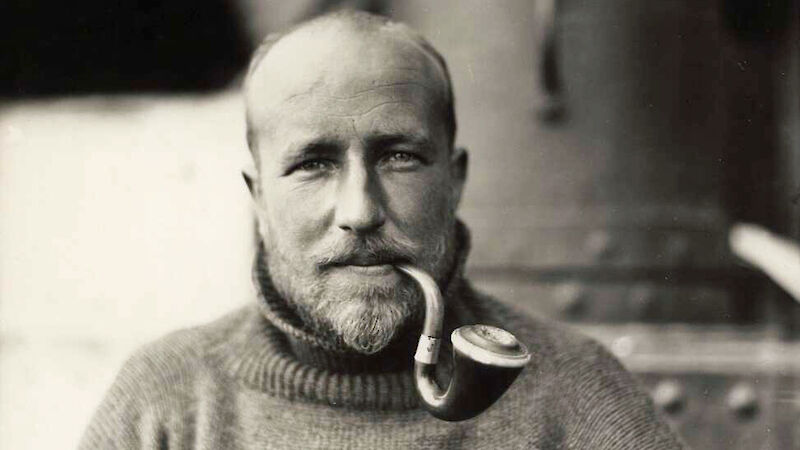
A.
pixel 421 207
pixel 297 215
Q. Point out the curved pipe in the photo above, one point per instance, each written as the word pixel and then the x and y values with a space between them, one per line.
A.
pixel 434 306
pixel 486 360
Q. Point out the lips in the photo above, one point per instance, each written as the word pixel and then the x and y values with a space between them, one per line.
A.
pixel 377 269
pixel 368 265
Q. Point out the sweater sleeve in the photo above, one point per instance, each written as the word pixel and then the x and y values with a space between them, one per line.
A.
pixel 606 408
pixel 123 420
pixel 149 389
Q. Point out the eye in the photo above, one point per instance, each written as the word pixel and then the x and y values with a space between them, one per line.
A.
pixel 402 161
pixel 312 166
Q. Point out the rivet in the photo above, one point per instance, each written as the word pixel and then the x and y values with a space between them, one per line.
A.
pixel 599 245
pixel 677 249
pixel 570 298
pixel 669 396
pixel 623 346
pixel 743 401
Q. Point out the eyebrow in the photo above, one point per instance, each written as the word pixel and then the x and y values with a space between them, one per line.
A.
pixel 389 139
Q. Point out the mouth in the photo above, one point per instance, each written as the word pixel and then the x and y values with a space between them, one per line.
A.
pixel 369 266
pixel 373 269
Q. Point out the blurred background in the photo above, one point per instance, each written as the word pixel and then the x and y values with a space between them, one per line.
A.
pixel 614 143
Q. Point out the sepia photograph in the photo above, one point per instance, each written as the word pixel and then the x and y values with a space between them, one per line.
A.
pixel 400 224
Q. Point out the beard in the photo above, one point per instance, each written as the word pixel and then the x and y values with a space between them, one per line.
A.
pixel 367 316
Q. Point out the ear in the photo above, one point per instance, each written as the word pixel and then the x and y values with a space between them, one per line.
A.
pixel 254 189
pixel 250 181
pixel 459 162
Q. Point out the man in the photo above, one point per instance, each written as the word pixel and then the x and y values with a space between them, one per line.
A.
pixel 351 126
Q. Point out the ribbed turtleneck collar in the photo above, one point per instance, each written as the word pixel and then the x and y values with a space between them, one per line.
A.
pixel 273 352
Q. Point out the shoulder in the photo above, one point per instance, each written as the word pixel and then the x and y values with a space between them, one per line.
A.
pixel 597 402
pixel 160 371
pixel 154 369
pixel 156 382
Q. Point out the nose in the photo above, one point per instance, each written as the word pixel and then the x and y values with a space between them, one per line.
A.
pixel 359 207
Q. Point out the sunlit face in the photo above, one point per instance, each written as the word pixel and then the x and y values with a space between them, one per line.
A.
pixel 356 174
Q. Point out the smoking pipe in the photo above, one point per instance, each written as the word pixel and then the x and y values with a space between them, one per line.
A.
pixel 486 360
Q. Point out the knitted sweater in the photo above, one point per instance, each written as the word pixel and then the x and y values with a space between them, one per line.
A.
pixel 256 379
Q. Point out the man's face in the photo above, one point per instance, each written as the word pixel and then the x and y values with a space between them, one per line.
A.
pixel 356 174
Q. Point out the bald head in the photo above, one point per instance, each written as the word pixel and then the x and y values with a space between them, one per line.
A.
pixel 341 56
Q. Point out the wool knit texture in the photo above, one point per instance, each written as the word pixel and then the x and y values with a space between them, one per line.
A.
pixel 257 378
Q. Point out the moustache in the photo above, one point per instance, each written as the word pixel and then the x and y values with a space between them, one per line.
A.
pixel 368 251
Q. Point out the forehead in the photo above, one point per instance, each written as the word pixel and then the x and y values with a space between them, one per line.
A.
pixel 387 107
pixel 309 79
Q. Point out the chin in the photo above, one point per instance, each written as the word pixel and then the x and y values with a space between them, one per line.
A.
pixel 367 316
pixel 367 328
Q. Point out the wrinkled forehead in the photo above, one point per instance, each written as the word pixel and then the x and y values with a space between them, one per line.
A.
pixel 340 64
